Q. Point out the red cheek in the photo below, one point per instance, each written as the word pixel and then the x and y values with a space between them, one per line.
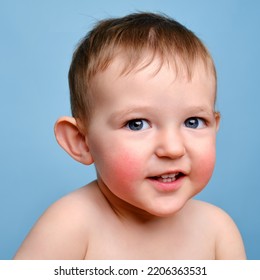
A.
pixel 205 167
pixel 126 167
pixel 120 172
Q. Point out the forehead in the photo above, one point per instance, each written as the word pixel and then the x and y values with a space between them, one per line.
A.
pixel 154 88
pixel 152 68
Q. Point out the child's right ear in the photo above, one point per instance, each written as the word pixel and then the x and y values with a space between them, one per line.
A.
pixel 72 140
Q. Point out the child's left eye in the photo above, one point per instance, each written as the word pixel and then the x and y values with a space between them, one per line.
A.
pixel 137 124
pixel 195 123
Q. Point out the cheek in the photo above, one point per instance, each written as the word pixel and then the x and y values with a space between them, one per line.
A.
pixel 204 167
pixel 126 166
pixel 118 167
pixel 123 175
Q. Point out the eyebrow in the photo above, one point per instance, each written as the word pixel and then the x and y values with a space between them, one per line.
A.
pixel 120 114
pixel 201 109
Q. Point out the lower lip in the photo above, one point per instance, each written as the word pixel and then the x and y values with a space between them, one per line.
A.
pixel 167 186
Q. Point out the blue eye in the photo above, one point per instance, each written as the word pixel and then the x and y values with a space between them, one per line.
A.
pixel 137 124
pixel 194 123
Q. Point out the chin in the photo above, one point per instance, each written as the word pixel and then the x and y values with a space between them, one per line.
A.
pixel 165 211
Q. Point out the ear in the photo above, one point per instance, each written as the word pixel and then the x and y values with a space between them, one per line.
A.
pixel 217 118
pixel 72 140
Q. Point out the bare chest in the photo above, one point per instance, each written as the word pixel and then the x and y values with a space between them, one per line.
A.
pixel 125 243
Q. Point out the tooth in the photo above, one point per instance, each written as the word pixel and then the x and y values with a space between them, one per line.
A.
pixel 169 175
pixel 168 180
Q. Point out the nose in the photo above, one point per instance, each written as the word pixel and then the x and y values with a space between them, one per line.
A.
pixel 170 144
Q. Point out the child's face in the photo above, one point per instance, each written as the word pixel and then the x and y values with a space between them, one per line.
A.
pixel 152 136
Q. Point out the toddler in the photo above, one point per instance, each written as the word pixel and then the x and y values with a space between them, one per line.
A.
pixel 143 91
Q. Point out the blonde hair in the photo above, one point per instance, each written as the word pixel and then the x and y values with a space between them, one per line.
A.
pixel 136 36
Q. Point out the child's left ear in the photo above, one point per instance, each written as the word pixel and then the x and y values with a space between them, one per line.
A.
pixel 217 118
pixel 70 138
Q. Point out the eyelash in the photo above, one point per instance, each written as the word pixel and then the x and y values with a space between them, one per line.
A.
pixel 198 120
pixel 192 123
pixel 135 128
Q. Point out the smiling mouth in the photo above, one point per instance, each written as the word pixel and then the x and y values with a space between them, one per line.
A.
pixel 168 178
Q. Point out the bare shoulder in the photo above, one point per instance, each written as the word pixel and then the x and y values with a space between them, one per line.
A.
pixel 62 231
pixel 228 241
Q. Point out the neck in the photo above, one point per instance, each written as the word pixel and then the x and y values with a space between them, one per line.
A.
pixel 124 210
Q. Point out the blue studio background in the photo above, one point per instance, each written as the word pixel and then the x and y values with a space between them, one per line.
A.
pixel 37 41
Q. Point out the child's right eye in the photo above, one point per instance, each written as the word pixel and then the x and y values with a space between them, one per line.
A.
pixel 137 124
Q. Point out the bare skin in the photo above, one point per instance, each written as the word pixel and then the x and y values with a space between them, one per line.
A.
pixel 163 129
pixel 72 229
